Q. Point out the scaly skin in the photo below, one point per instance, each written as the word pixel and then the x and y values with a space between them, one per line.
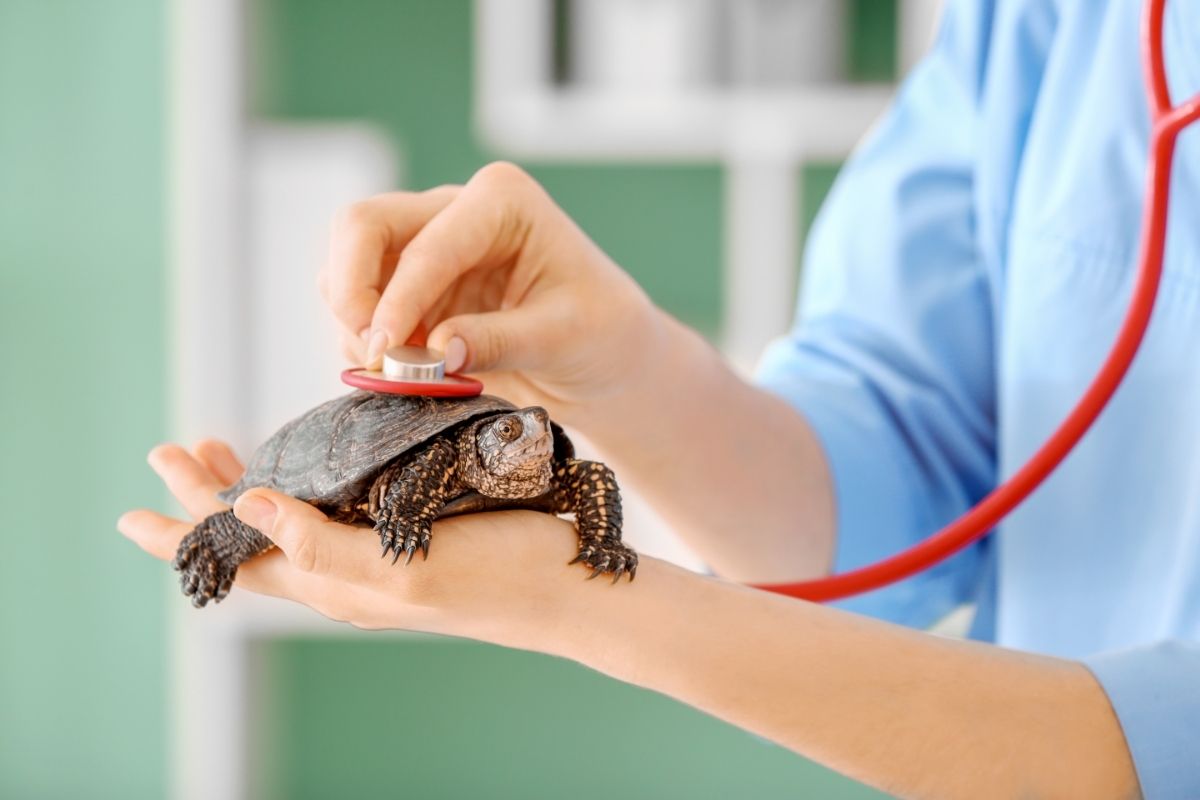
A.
pixel 209 556
pixel 588 489
pixel 414 496
pixel 404 501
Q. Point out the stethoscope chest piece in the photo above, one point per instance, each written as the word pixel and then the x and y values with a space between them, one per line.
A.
pixel 413 371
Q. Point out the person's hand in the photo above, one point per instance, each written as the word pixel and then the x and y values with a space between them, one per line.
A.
pixel 489 576
pixel 505 284
pixel 499 278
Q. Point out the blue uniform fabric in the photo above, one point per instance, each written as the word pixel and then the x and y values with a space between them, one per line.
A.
pixel 963 282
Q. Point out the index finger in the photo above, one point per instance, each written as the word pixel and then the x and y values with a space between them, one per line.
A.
pixel 160 535
pixel 364 236
pixel 486 224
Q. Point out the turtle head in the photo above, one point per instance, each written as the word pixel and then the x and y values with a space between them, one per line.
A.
pixel 513 454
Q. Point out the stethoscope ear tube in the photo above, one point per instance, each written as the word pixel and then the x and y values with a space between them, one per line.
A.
pixel 1167 122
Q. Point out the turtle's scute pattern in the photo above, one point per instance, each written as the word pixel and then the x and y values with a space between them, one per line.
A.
pixel 400 462
pixel 330 455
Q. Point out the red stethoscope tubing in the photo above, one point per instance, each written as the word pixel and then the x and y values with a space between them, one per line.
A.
pixel 1166 123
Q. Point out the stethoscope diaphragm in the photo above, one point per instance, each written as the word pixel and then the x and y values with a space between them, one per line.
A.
pixel 413 371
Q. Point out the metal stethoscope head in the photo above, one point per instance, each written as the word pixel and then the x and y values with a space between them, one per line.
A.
pixel 418 371
pixel 413 371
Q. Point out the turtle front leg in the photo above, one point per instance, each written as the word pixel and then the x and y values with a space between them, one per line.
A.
pixel 209 556
pixel 410 496
pixel 588 489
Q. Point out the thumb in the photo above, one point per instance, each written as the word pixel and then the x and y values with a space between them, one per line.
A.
pixel 492 340
pixel 306 536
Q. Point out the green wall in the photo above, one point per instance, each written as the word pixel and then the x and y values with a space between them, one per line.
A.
pixel 407 66
pixel 82 645
pixel 448 719
pixel 82 612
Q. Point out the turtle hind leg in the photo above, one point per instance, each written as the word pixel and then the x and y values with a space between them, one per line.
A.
pixel 209 556
pixel 588 489
pixel 411 497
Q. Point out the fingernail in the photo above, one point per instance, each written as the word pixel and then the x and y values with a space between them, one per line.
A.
pixel 456 354
pixel 375 348
pixel 257 512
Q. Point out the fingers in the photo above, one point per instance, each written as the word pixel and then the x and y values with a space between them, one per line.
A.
pixel 219 459
pixel 159 535
pixel 511 339
pixel 312 543
pixel 364 237
pixel 193 485
pixel 354 349
pixel 486 224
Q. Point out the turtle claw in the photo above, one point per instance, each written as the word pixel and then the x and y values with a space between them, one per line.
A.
pixel 607 555
pixel 401 535
pixel 204 576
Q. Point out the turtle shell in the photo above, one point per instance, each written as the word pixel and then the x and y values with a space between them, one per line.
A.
pixel 330 455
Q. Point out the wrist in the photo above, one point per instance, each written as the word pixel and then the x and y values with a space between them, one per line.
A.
pixel 657 364
pixel 520 601
pixel 616 628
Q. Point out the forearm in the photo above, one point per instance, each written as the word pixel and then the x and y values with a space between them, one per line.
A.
pixel 911 713
pixel 731 467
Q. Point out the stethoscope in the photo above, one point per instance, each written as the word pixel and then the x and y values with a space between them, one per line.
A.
pixel 414 371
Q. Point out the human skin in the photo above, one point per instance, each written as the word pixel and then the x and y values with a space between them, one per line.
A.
pixel 910 713
pixel 513 291
pixel 544 317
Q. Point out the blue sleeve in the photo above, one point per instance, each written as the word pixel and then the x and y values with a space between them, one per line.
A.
pixel 1155 692
pixel 891 360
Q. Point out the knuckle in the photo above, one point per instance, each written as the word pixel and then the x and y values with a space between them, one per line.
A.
pixel 340 295
pixel 392 310
pixel 419 251
pixel 309 553
pixel 447 190
pixel 497 343
pixel 357 215
pixel 501 175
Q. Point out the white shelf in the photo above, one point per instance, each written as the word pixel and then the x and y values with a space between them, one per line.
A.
pixel 761 136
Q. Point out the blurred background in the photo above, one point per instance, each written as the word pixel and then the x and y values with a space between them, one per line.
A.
pixel 167 172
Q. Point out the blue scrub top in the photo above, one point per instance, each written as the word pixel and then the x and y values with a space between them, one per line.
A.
pixel 964 280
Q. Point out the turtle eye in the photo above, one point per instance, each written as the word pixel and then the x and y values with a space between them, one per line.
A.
pixel 509 429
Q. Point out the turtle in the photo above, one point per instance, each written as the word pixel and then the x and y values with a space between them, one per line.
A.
pixel 397 463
